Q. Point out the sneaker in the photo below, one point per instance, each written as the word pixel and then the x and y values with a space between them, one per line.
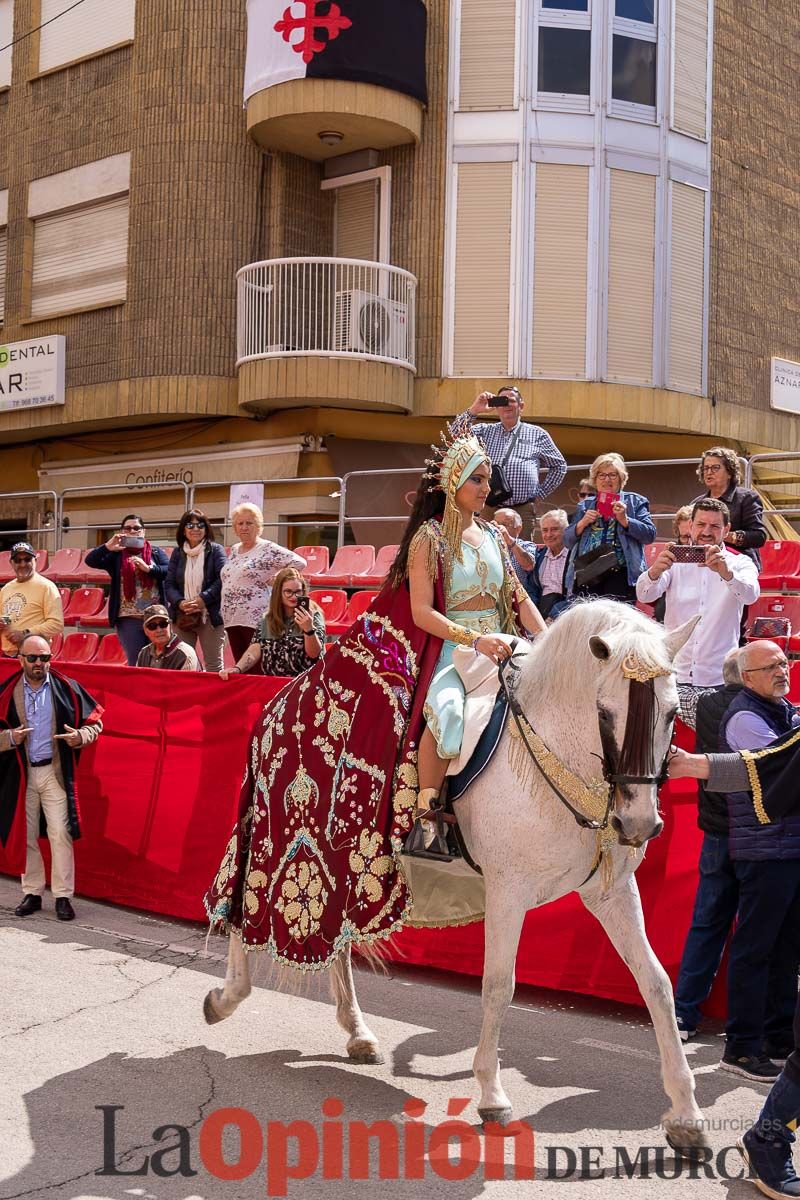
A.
pixel 778 1051
pixel 770 1164
pixel 751 1066
pixel 685 1030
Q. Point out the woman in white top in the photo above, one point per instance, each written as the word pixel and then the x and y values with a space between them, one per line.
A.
pixel 247 576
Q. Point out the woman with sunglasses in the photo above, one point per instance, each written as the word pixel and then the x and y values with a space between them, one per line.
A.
pixel 194 587
pixel 138 571
pixel 291 636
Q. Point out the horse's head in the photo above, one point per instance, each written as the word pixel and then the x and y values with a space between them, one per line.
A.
pixel 637 702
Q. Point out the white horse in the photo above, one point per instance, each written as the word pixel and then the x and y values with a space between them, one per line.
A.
pixel 573 686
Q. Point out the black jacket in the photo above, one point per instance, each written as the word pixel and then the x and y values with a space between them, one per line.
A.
pixel 712 807
pixel 111 561
pixel 747 515
pixel 214 560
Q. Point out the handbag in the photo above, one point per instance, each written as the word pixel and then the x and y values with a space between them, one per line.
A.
pixel 500 491
pixel 595 563
pixel 188 622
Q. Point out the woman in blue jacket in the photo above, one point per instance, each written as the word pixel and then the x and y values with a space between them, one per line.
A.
pixel 610 542
pixel 137 571
pixel 194 587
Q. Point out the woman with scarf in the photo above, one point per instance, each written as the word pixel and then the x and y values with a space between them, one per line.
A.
pixel 194 587
pixel 349 752
pixel 138 570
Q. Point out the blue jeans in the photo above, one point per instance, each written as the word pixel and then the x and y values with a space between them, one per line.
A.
pixel 130 631
pixel 715 907
pixel 764 955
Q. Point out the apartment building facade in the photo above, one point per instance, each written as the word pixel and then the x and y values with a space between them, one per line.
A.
pixel 276 241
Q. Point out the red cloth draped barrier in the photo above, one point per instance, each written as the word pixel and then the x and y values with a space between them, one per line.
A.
pixel 158 795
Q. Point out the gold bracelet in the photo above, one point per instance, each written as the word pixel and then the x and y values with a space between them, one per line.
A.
pixel 460 635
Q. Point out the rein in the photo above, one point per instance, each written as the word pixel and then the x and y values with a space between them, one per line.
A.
pixel 559 777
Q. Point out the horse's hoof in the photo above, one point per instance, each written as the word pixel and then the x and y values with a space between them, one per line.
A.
pixel 209 1012
pixel 688 1140
pixel 496 1116
pixel 366 1056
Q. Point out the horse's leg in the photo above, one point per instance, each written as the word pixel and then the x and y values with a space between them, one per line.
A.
pixel 504 917
pixel 362 1045
pixel 619 911
pixel 221 1002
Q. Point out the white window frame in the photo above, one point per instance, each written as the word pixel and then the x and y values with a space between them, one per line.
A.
pixel 384 178
pixel 555 18
pixel 640 31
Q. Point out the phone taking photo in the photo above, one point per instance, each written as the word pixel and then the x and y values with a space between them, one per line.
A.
pixel 304 602
pixel 688 554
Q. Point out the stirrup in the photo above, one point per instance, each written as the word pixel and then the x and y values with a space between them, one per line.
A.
pixel 424 842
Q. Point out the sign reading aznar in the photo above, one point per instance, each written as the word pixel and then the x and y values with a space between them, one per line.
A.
pixel 32 373
pixel 368 41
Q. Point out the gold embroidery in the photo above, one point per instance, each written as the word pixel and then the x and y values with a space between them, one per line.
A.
pixel 303 898
pixel 755 786
pixel 634 668
pixel 369 865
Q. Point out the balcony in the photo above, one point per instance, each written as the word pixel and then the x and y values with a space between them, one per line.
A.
pixel 319 118
pixel 336 332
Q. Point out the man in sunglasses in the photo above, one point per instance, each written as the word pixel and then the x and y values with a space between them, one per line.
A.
pixel 45 721
pixel 166 650
pixel 29 603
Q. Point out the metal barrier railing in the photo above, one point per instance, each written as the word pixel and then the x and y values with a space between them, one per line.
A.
pixel 93 489
pixel 49 530
pixel 755 460
pixel 321 522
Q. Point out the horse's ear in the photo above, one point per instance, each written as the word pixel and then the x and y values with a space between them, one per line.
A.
pixel 599 648
pixel 676 640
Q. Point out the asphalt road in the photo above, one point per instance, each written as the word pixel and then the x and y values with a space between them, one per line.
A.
pixel 102 1045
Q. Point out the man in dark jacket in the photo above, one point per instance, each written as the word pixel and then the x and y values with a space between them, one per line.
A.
pixel 717 896
pixel 45 721
pixel 765 948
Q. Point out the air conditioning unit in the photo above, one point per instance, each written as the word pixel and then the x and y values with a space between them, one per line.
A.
pixel 367 324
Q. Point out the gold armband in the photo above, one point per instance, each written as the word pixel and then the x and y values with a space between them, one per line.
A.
pixel 460 635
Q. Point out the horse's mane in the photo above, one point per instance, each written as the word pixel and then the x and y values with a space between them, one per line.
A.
pixel 561 661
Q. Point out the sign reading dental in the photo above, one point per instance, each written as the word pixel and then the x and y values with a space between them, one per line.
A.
pixel 368 41
pixel 32 373
pixel 784 387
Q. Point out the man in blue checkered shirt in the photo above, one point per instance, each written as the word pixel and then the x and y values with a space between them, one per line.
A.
pixel 531 449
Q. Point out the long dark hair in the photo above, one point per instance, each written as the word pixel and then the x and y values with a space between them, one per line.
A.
pixel 198 515
pixel 426 504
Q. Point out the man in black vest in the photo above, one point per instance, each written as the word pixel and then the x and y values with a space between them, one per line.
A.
pixel 717 896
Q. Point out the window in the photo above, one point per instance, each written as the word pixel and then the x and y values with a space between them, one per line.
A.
pixel 633 54
pixel 561 246
pixel 80 237
pixel 567 5
pixel 564 59
pixel 690 68
pixel 88 28
pixel 6 37
pixel 631 277
pixel 362 212
pixel 487 54
pixel 686 287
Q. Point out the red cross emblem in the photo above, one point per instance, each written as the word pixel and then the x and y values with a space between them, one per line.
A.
pixel 300 29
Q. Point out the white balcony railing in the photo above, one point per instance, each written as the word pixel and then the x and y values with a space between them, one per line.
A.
pixel 340 307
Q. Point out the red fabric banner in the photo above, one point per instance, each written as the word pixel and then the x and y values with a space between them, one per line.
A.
pixel 158 795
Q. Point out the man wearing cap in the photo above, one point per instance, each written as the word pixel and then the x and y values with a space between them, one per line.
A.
pixel 29 603
pixel 165 649
pixel 45 721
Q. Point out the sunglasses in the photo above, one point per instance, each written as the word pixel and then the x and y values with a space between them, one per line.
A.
pixel 32 658
pixel 158 624
pixel 22 558
pixel 132 528
pixel 585 495
pixel 195 525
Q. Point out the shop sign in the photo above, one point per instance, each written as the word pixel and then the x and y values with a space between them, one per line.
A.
pixel 32 373
pixel 784 389
pixel 246 493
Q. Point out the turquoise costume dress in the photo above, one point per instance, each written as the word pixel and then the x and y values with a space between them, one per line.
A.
pixel 482 573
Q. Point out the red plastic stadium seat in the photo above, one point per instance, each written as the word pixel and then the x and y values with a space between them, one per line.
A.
pixel 359 603
pixel 79 648
pixel 333 603
pixel 780 566
pixel 55 645
pixel 786 608
pixel 349 563
pixel 794 683
pixel 66 595
pixel 94 574
pixel 98 620
pixel 85 602
pixel 318 561
pixel 6 570
pixel 66 565
pixel 110 653
pixel 383 562
pixel 42 558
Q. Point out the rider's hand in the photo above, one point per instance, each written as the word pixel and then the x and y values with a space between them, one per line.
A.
pixel 493 647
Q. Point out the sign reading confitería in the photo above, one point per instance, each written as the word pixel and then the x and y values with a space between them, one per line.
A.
pixel 784 386
pixel 32 373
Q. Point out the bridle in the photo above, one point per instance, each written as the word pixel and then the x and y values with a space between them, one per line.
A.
pixel 613 777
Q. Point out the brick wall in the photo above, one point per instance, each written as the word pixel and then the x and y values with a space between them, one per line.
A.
pixel 755 240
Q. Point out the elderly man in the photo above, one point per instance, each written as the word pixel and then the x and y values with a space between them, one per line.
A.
pixel 509 523
pixel 717 588
pixel 29 603
pixel 165 650
pixel 45 721
pixel 765 948
pixel 521 450
pixel 546 584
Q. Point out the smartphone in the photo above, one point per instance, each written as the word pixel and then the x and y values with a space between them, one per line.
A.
pixel 605 503
pixel 688 554
pixel 304 602
pixel 131 541
pixel 498 402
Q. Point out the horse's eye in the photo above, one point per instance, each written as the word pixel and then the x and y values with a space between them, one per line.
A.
pixel 605 716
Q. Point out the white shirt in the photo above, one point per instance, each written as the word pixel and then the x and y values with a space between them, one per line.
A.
pixel 692 589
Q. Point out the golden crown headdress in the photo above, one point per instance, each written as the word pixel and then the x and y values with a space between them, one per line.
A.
pixel 460 450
